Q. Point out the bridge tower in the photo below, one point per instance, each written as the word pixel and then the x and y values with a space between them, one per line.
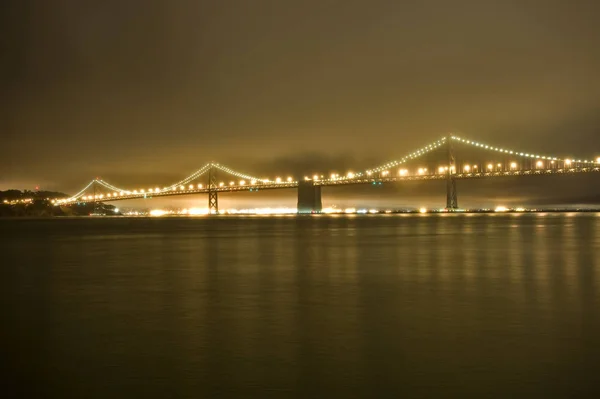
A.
pixel 213 199
pixel 95 184
pixel 309 197
pixel 451 197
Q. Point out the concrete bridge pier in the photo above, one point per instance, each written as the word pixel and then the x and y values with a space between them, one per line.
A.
pixel 309 197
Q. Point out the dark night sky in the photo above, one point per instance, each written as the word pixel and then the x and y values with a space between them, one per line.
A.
pixel 147 91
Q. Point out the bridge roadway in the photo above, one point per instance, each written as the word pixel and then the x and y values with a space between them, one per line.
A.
pixel 345 181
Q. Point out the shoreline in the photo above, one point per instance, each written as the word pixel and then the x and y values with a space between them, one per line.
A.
pixel 320 214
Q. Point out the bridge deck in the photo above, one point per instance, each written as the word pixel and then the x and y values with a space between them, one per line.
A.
pixel 360 180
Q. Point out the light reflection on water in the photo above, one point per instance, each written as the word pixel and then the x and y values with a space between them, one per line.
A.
pixel 362 306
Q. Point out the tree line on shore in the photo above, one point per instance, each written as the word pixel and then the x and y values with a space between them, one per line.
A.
pixel 41 205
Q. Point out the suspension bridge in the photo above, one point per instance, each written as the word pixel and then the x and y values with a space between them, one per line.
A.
pixel 438 160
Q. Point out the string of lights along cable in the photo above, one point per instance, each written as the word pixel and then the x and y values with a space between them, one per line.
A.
pixel 501 161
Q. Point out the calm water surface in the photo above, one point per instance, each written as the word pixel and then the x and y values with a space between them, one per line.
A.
pixel 309 307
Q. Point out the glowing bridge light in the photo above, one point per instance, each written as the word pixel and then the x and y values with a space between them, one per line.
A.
pixel 513 165
pixel 242 182
pixel 403 172
pixel 191 186
pixel 200 186
pixel 221 184
pixel 598 160
pixel 423 210
pixel 467 168
pixel 385 173
pixel 539 164
pixel 441 169
pixel 490 166
pixel 182 187
pixel 315 177
pixel 350 175
pixel 253 182
pixel 231 183
pixel 278 180
pixel 290 179
pixel 135 191
pixel 568 162
pixel 421 171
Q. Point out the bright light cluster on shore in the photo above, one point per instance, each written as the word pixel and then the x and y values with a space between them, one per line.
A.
pixel 205 211
pixel 259 211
